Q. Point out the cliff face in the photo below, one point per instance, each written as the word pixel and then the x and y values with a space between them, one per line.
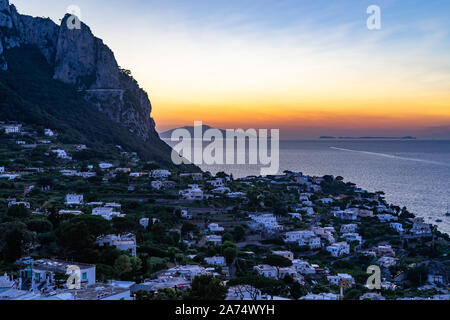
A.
pixel 77 57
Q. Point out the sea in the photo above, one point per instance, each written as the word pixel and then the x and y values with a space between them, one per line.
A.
pixel 412 173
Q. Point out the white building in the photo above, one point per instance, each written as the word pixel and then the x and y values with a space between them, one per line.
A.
pixel 321 296
pixel 125 242
pixel 49 133
pixel 352 236
pixel 144 222
pixel 266 271
pixel 304 238
pixel 216 239
pixel 348 214
pixel 341 277
pixel 266 222
pixel 397 227
pixel 303 267
pixel 214 227
pixel 74 199
pixel 157 184
pixel 338 249
pixel 386 217
pixel 216 183
pixel 193 193
pixel 349 228
pixel 216 261
pixel 105 165
pixel 187 271
pixel 160 173
pixel 387 262
pixel 12 128
pixel 61 154
pixel 107 213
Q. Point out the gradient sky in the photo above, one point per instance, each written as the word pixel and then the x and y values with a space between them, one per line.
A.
pixel 307 67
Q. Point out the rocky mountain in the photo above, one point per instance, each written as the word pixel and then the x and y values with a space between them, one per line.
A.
pixel 76 58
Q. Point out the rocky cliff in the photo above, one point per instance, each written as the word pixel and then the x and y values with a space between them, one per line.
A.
pixel 78 58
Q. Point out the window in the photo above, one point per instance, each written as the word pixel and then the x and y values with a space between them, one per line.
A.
pixel 84 276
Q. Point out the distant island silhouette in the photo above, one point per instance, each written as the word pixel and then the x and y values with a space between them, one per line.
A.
pixel 369 137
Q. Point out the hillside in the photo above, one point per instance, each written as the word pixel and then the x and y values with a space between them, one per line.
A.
pixel 69 81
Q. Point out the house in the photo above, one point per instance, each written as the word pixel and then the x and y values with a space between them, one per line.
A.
pixel 2 169
pixel 197 176
pixel 303 267
pixel 265 222
pixel 364 213
pixel 105 165
pixel 12 128
pixel 61 154
pixel 387 262
pixel 159 173
pixel 325 233
pixel 41 274
pixel 214 227
pixel 303 238
pixel 266 271
pixel 123 170
pixel 372 296
pixel 348 214
pixel 216 261
pixel 327 200
pixel 74 199
pixel 385 250
pixel 72 212
pixel 106 212
pixel 352 236
pixel 144 222
pixel 49 133
pixel 321 296
pixel 236 195
pixel 216 183
pixel 287 254
pixel 349 228
pixel 342 278
pixel 125 242
pixel 185 214
pixel 420 228
pixel 397 227
pixel 112 291
pixel 13 202
pixel 162 282
pixel 168 184
pixel 193 193
pixel 189 272
pixel 216 239
pixel 338 249
pixel 386 217
pixel 156 184
pixel 221 190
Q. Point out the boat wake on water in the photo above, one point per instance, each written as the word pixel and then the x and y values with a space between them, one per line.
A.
pixel 385 155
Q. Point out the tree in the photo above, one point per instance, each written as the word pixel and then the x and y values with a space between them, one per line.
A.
pixel 277 261
pixel 417 275
pixel 40 225
pixel 230 254
pixel 238 233
pixel 123 265
pixel 207 287
pixel 18 211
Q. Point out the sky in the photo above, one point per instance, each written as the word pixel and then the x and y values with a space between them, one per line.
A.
pixel 308 68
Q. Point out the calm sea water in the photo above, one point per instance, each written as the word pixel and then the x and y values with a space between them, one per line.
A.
pixel 412 173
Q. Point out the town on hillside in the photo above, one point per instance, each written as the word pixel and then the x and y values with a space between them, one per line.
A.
pixel 80 224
